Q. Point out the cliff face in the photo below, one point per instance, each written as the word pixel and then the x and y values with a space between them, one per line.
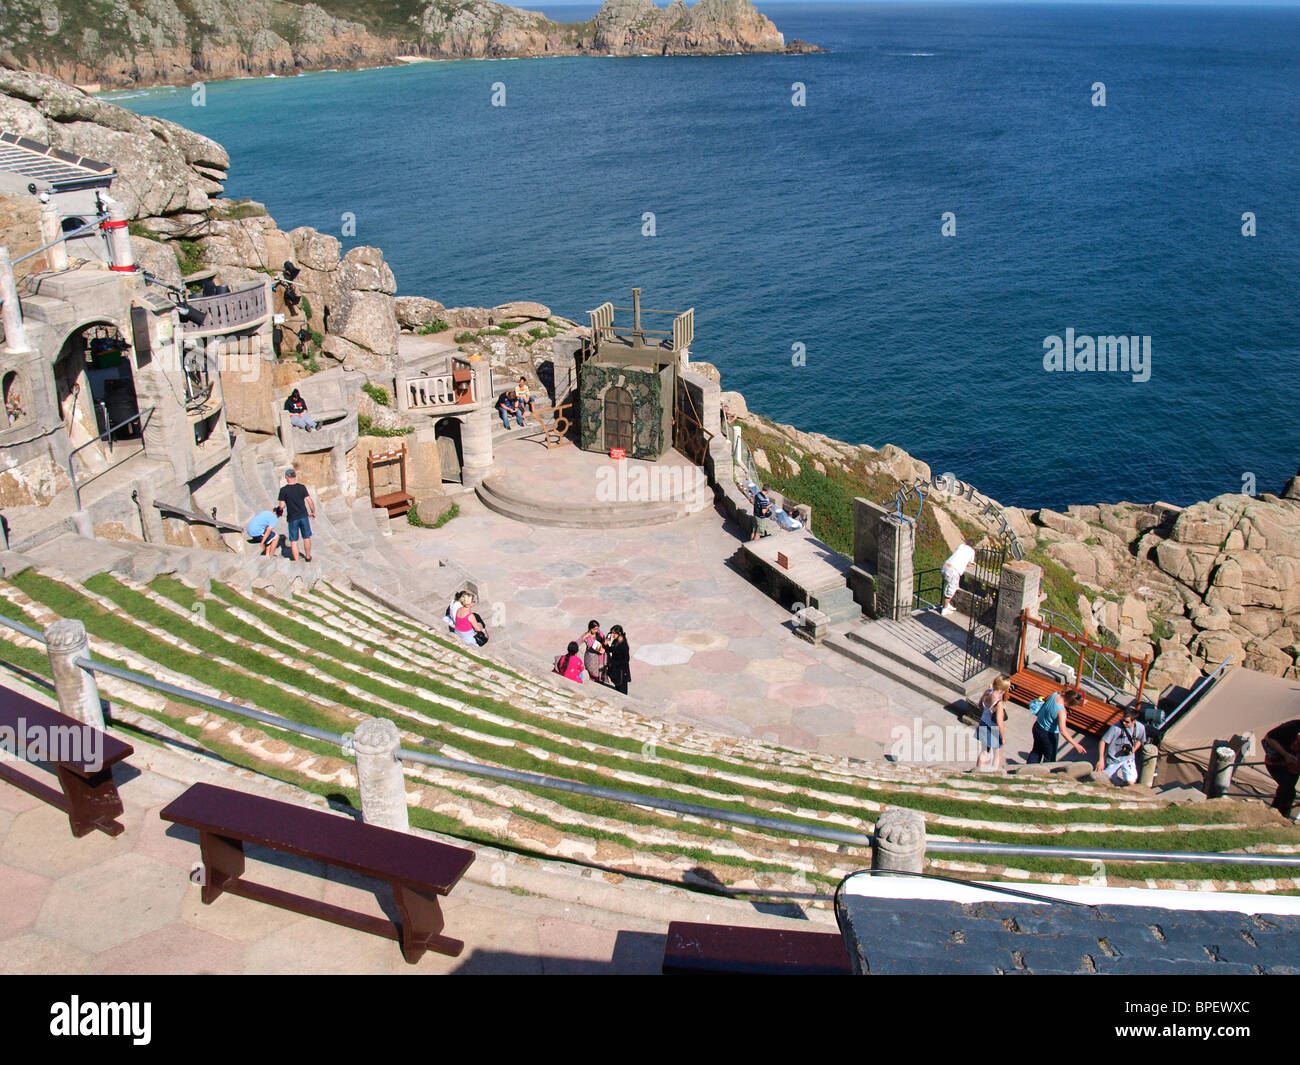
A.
pixel 126 43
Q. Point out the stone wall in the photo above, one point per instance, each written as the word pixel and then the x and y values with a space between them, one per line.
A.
pixel 20 232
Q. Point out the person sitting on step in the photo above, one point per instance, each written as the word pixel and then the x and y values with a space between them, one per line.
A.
pixel 297 408
pixel 569 664
pixel 508 404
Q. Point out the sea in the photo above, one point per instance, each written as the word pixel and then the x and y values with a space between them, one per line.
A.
pixel 916 238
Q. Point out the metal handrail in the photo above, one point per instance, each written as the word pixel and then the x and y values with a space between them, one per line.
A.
pixel 72 475
pixel 796 828
pixel 1091 673
pixel 62 237
pixel 1200 687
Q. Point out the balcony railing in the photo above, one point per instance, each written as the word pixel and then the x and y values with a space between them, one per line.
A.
pixel 230 311
pixel 453 388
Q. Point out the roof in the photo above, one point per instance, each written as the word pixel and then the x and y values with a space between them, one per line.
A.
pixel 32 159
pixel 941 936
pixel 1242 700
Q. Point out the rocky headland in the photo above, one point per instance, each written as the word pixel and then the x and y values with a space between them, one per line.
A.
pixel 132 43
pixel 1188 586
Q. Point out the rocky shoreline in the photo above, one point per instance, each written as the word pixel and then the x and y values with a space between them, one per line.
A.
pixel 1187 586
pixel 145 43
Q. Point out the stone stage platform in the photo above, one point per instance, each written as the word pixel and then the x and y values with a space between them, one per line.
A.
pixel 577 489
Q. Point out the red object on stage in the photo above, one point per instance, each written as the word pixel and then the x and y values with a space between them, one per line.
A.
pixel 617 453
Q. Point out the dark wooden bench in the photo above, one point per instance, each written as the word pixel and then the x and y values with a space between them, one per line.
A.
pixel 419 870
pixel 83 758
pixel 720 948
pixel 1092 718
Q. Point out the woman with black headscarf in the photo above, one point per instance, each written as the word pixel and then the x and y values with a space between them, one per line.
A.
pixel 618 670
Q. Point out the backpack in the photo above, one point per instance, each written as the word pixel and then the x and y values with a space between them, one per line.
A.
pixel 1037 707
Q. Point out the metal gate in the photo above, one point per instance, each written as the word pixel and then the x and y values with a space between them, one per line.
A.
pixel 985 576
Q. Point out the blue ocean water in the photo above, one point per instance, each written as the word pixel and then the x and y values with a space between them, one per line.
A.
pixel 820 225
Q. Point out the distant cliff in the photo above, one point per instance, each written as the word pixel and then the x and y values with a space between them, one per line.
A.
pixel 150 42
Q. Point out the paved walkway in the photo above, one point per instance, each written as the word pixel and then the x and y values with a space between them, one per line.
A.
pixel 126 905
pixel 708 647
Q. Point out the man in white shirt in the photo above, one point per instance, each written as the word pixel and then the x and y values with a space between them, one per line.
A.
pixel 951 572
pixel 1119 748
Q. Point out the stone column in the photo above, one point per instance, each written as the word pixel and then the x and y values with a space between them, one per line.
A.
pixel 1148 759
pixel 866 522
pixel 339 468
pixel 898 841
pixel 1218 775
pixel 1018 588
pixel 383 520
pixel 476 446
pixel 379 774
pixel 11 312
pixel 52 234
pixel 66 641
pixel 151 521
pixel 119 240
pixel 894 565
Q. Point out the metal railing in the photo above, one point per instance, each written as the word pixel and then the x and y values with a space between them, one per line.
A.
pixel 1201 685
pixel 1102 672
pixel 141 416
pixel 792 828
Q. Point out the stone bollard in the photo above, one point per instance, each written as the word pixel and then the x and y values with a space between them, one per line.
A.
pixel 379 774
pixel 1218 775
pixel 1148 758
pixel 65 642
pixel 898 841
pixel 383 520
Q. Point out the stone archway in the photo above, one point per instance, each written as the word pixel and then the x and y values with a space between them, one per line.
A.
pixel 94 383
pixel 450 452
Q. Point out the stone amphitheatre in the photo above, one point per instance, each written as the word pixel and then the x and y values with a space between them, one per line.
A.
pixel 798 679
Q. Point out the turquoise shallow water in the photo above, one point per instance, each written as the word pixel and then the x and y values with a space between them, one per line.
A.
pixel 821 225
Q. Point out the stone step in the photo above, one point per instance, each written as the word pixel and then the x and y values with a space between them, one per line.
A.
pixel 861 653
pixel 582 516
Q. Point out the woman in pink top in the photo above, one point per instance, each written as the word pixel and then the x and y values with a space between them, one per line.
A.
pixel 570 664
pixel 466 623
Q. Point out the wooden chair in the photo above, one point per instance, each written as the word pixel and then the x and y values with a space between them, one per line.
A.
pixel 419 870
pixel 393 498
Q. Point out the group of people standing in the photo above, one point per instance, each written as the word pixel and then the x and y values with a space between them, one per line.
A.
pixel 603 657
pixel 1116 757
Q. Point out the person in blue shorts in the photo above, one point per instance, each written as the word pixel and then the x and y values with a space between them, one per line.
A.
pixel 299 509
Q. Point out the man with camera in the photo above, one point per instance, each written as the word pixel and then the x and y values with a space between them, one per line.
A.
pixel 1117 757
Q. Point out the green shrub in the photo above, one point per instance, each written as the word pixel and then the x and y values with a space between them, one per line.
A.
pixel 452 512
pixel 190 254
pixel 367 427
pixel 436 326
pixel 467 337
pixel 378 394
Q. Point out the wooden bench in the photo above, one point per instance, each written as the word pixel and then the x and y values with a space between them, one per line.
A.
pixel 83 758
pixel 694 948
pixel 1092 718
pixel 419 870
